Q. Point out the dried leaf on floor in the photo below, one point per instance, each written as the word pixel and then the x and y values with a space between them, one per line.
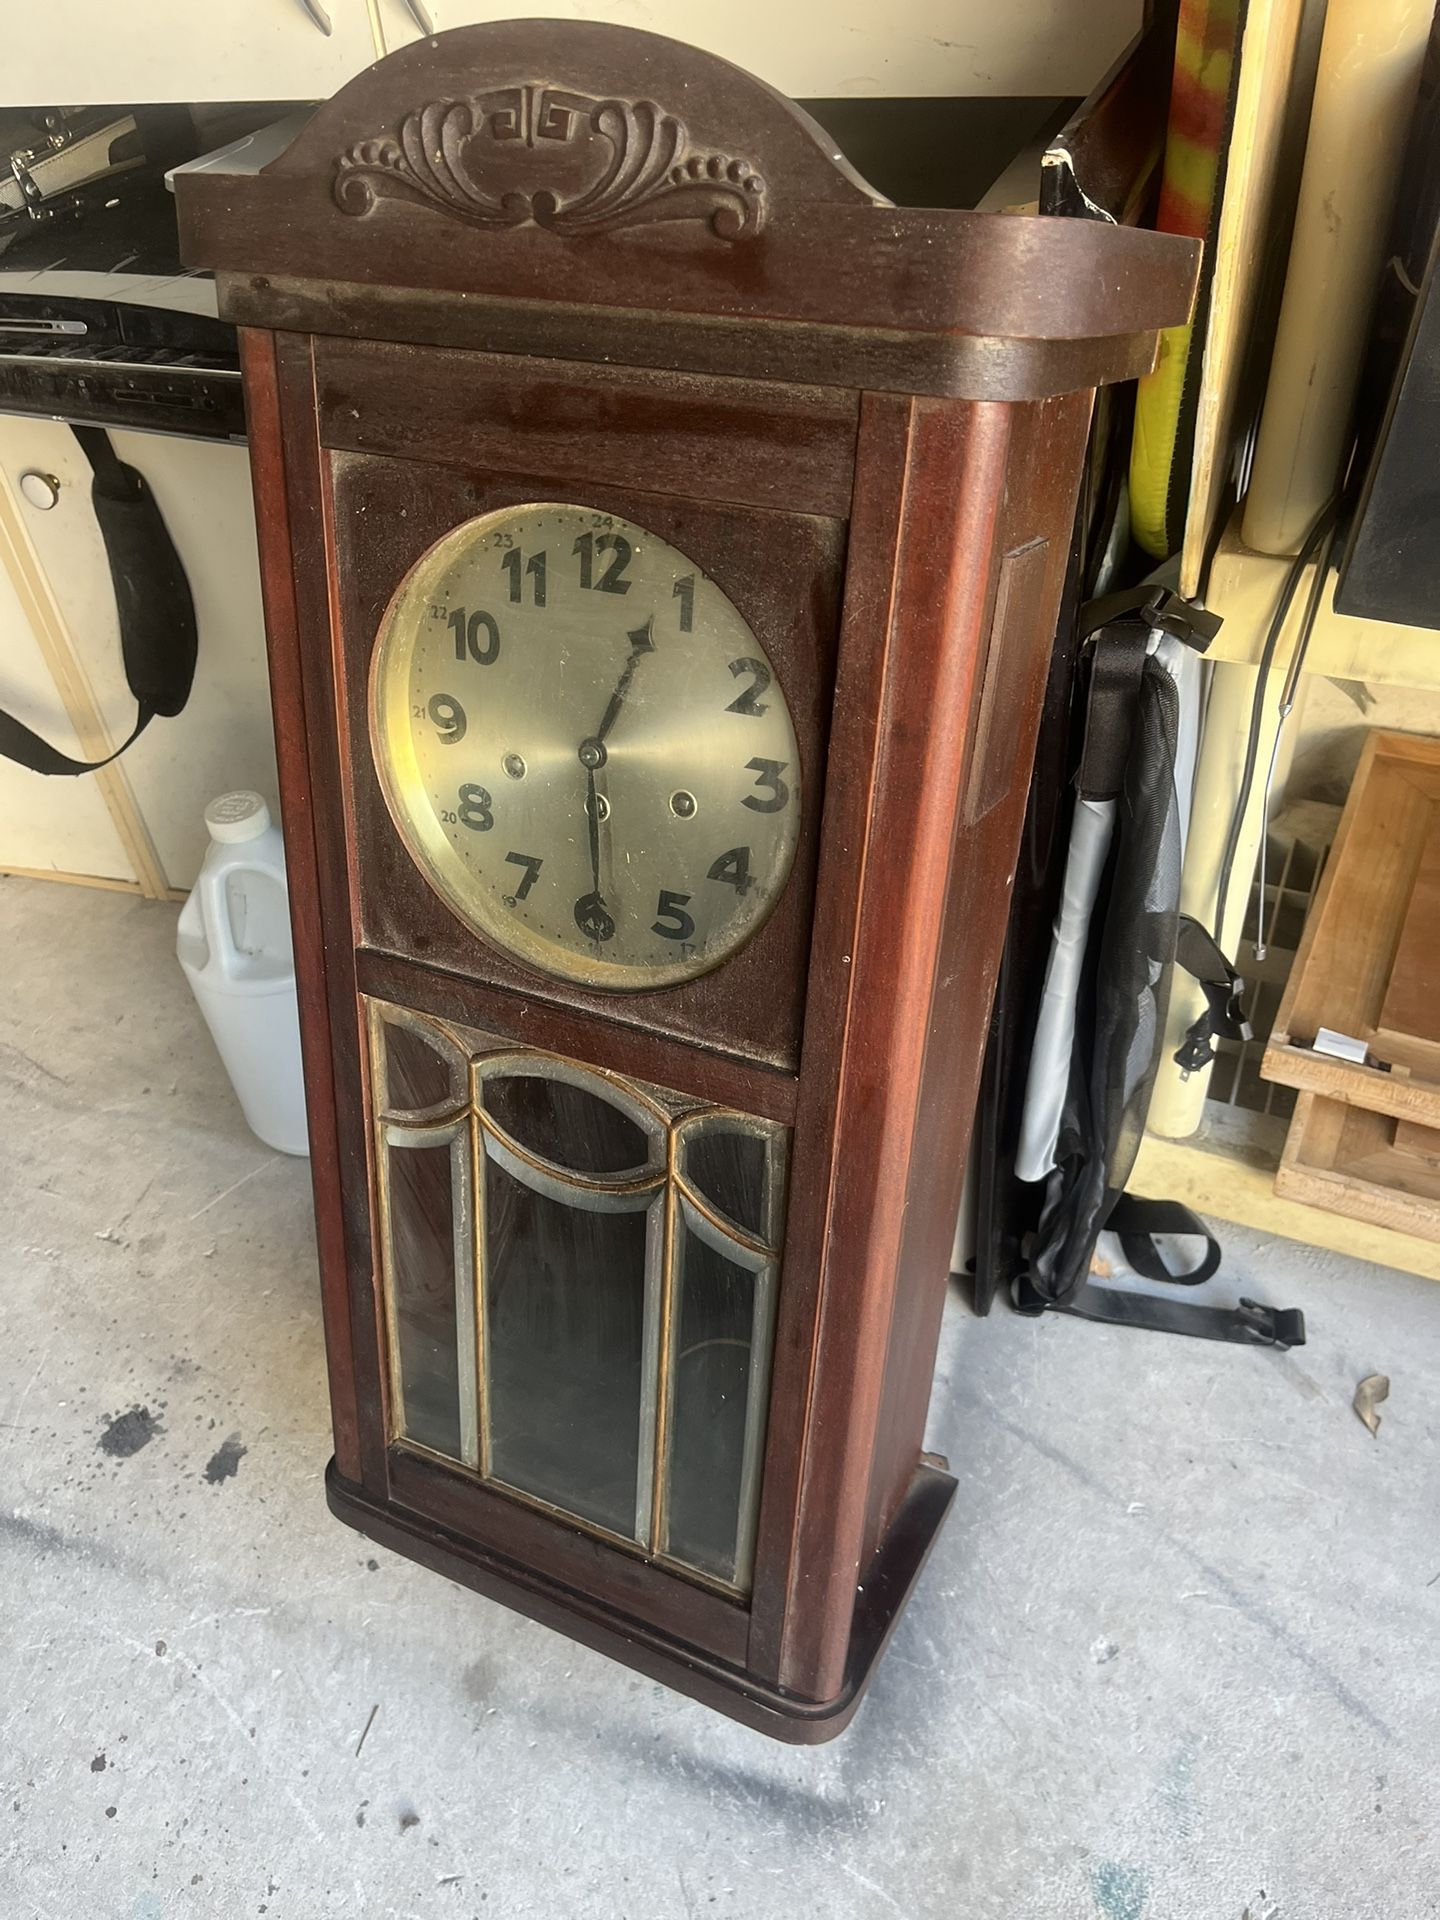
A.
pixel 1374 1388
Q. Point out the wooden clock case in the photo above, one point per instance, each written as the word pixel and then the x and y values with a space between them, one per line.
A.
pixel 539 260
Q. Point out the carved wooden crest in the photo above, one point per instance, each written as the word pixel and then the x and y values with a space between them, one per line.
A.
pixel 544 156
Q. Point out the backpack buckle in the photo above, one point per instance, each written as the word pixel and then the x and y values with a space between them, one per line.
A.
pixel 1281 1327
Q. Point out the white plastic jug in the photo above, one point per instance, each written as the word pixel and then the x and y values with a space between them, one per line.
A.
pixel 234 944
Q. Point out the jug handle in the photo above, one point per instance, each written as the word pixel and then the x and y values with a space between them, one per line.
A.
pixel 215 913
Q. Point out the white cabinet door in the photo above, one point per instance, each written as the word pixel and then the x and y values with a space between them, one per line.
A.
pixel 81 52
pixel 829 49
pixel 48 823
pixel 224 737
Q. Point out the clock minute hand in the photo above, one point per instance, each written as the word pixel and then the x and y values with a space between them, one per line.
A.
pixel 641 642
pixel 592 810
pixel 591 915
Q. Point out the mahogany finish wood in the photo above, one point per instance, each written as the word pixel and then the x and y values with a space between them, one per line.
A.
pixel 978 306
pixel 876 358
pixel 302 857
pixel 692 1670
pixel 754 442
pixel 573 1558
pixel 549 260
pixel 532 1022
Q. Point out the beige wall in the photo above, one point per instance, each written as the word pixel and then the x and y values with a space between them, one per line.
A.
pixel 98 50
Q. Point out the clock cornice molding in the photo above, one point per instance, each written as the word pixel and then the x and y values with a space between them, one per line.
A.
pixel 600 193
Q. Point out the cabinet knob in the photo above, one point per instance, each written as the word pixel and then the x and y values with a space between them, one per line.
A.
pixel 42 490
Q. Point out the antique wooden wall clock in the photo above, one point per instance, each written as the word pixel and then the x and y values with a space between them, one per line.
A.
pixel 662 537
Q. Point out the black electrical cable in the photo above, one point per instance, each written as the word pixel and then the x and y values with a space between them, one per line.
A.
pixel 1296 572
pixel 1307 621
pixel 1285 709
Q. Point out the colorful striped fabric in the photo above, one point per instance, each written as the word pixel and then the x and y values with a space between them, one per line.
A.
pixel 1199 109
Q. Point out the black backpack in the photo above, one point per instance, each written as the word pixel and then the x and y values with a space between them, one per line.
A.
pixel 1037 1239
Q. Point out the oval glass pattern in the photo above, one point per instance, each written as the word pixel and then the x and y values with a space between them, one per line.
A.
pixel 585 747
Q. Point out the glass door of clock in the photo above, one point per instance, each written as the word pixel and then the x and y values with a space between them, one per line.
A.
pixel 580 1278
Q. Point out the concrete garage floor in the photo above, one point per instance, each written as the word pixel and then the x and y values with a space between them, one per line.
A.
pixel 1174 1658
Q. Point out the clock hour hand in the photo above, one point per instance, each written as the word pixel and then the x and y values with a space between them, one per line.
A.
pixel 641 642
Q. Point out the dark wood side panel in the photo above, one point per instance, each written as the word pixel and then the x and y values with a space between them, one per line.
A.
pixel 1033 543
pixel 287 696
pixel 311 543
pixel 867 626
pixel 758 443
pixel 873 972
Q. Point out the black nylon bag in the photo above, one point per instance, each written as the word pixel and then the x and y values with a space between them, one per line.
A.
pixel 1130 958
pixel 1125 993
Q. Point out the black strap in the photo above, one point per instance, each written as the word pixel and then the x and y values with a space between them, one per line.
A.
pixel 1151 606
pixel 153 603
pixel 1249 1324
pixel 18 742
pixel 1224 1015
pixel 1116 664
pixel 1137 1221
pixel 1118 627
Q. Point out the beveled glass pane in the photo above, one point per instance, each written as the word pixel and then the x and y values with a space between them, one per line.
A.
pixel 727 1165
pixel 712 1381
pixel 420 1071
pixel 565 1346
pixel 565 1123
pixel 420 1271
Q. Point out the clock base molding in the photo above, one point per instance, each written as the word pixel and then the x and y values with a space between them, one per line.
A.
pixel 880 1601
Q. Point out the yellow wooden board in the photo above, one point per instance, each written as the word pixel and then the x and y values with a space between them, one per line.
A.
pixel 1244 589
pixel 1260 152
pixel 1234 1186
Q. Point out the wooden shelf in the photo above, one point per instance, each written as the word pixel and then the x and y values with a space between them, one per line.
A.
pixel 1244 588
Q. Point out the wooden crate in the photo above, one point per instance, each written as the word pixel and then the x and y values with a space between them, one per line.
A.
pixel 1366 964
pixel 1369 1165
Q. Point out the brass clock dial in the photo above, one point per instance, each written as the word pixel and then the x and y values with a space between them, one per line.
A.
pixel 584 746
